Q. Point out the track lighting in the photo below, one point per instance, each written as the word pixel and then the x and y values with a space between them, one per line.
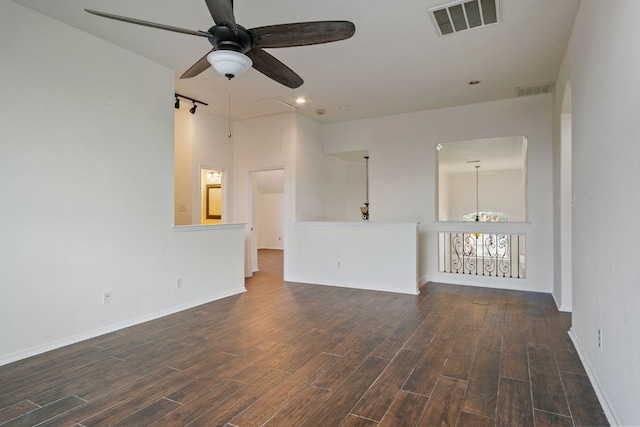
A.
pixel 192 110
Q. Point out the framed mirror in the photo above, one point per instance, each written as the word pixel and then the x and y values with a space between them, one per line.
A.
pixel 212 196
pixel 214 201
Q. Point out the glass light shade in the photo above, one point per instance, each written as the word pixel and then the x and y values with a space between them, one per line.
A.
pixel 229 63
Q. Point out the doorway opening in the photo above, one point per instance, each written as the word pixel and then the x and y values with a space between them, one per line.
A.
pixel 266 240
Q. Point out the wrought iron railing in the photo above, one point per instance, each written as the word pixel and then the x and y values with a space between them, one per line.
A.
pixel 482 254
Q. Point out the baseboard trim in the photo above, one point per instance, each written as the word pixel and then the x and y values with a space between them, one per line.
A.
pixel 53 345
pixel 606 407
pixel 564 308
pixel 422 282
pixel 423 286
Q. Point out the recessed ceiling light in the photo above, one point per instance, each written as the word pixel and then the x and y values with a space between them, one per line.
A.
pixel 300 100
pixel 474 82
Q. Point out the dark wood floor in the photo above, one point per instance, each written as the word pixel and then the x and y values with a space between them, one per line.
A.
pixel 286 354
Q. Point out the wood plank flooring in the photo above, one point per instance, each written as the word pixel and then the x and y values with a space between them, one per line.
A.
pixel 288 354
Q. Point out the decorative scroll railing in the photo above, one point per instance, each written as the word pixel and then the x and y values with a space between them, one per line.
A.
pixel 482 254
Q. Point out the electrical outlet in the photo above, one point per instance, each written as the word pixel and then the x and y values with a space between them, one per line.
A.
pixel 106 297
pixel 600 339
pixel 339 264
pixel 178 282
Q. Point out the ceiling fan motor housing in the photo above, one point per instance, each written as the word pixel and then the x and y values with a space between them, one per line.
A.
pixel 223 38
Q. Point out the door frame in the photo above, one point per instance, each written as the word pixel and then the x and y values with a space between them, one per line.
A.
pixel 251 238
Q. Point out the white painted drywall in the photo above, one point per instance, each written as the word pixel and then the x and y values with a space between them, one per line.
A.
pixel 87 206
pixel 262 144
pixel 403 172
pixel 201 142
pixel 390 261
pixel 443 200
pixel 271 221
pixel 310 170
pixel 345 189
pixel 361 255
pixel 602 65
pixel 211 148
pixel 497 191
pixel 335 190
pixel 269 208
pixel 183 205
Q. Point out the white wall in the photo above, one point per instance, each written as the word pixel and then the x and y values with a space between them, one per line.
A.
pixel 211 148
pixel 345 189
pixel 335 191
pixel 183 199
pixel 269 209
pixel 602 65
pixel 262 143
pixel 356 187
pixel 201 142
pixel 86 177
pixel 498 192
pixel 270 229
pixel 310 170
pixel 285 141
pixel 443 194
pixel 362 255
pixel 403 171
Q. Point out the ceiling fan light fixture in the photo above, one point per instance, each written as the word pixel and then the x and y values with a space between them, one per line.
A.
pixel 229 63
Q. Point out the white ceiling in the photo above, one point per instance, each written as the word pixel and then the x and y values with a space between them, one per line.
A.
pixel 395 63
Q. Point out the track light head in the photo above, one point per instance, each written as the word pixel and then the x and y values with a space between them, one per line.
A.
pixel 192 110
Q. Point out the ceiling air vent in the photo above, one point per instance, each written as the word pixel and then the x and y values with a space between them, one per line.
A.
pixel 465 15
pixel 534 90
pixel 262 107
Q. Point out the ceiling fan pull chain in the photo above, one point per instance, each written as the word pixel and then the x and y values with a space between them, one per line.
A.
pixel 229 135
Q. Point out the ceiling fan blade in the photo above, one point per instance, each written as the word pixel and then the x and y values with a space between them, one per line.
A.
pixel 149 24
pixel 201 65
pixel 301 33
pixel 222 13
pixel 273 68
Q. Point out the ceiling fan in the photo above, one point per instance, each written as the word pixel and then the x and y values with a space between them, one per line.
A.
pixel 236 48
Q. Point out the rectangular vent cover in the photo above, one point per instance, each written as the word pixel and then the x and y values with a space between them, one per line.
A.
pixel 534 90
pixel 262 107
pixel 465 15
